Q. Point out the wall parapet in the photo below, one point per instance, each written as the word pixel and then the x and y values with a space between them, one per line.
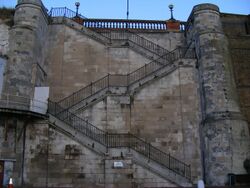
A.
pixel 115 24
pixel 22 103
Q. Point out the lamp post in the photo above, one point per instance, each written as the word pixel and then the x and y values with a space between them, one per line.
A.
pixel 171 6
pixel 127 14
pixel 127 9
pixel 77 4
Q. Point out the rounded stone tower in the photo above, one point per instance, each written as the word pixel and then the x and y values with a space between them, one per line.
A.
pixel 26 55
pixel 225 131
pixel 23 72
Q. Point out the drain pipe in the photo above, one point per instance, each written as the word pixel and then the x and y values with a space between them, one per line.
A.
pixel 23 154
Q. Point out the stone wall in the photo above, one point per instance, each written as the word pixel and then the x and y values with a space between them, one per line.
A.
pixel 191 112
pixel 220 108
pixel 4 47
pixel 165 112
pixel 70 51
pixel 26 50
pixel 12 140
pixel 55 159
pixel 4 37
pixel 235 25
pixel 237 28
pixel 168 40
pixel 76 60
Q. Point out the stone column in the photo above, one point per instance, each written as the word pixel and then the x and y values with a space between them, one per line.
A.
pixel 27 39
pixel 225 132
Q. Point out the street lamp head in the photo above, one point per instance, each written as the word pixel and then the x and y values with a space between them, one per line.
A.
pixel 171 6
pixel 77 7
pixel 77 4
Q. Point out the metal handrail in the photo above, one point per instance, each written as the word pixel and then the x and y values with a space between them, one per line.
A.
pixel 115 140
pixel 64 12
pixel 136 39
pixel 124 34
pixel 9 101
pixel 125 80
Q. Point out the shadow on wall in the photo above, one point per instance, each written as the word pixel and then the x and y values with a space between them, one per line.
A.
pixel 8 15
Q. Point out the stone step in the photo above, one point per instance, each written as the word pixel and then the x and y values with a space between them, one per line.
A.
pixel 127 91
pixel 77 135
pixel 105 40
pixel 113 153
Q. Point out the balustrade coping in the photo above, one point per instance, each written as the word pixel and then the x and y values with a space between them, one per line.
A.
pixel 111 19
pixel 152 25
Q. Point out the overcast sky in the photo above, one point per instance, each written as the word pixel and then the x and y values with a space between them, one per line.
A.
pixel 141 9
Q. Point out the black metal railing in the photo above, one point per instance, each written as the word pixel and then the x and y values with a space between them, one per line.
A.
pixel 114 140
pixel 112 34
pixel 125 80
pixel 135 39
pixel 117 24
pixel 65 12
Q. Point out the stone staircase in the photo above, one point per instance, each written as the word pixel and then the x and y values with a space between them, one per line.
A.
pixel 62 114
pixel 135 42
pixel 121 38
pixel 126 84
pixel 143 153
pixel 162 59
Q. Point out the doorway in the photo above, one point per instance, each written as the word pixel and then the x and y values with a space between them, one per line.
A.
pixel 1 173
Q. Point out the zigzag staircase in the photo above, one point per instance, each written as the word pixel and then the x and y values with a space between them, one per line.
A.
pixel 160 162
pixel 63 115
pixel 144 153
pixel 134 41
pixel 124 38
pixel 126 83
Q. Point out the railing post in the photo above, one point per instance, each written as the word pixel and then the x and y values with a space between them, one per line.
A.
pixel 169 161
pixel 91 85
pixel 109 35
pixel 127 80
pixel 7 96
pixel 108 80
pixel 65 9
pixel 180 53
pixel 189 170
pixel 129 141
pixel 51 13
pixel 55 109
pixel 185 170
pixel 148 151
pixel 107 139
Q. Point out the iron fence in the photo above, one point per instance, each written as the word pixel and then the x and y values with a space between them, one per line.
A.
pixel 64 12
